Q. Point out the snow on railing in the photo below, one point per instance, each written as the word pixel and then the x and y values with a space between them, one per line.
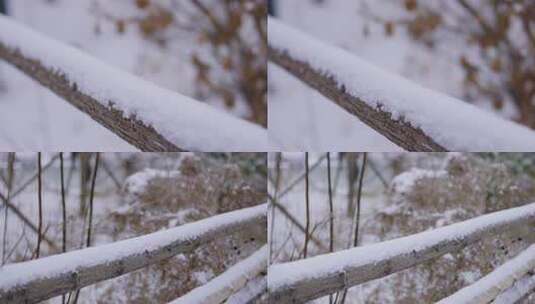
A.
pixel 519 291
pixel 44 278
pixel 490 286
pixel 147 116
pixel 411 116
pixel 307 279
pixel 219 289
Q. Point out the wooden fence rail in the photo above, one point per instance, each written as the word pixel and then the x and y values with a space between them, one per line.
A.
pixel 498 281
pixel 147 116
pixel 219 289
pixel 413 117
pixel 308 279
pixel 44 278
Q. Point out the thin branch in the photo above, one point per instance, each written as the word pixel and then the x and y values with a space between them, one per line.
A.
pixel 296 222
pixel 307 204
pixel 9 185
pixel 26 221
pixel 63 205
pixel 359 194
pixel 91 196
pixel 63 212
pixel 40 202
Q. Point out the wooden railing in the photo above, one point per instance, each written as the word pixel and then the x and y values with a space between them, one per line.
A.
pixel 41 279
pixel 413 117
pixel 146 116
pixel 308 279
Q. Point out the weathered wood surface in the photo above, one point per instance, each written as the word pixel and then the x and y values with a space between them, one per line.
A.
pixel 41 279
pixel 148 117
pixel 401 255
pixel 520 290
pixel 401 133
pixel 499 280
pixel 220 288
pixel 131 129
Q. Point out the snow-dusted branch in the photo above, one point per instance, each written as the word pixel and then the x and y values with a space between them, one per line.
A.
pixel 490 286
pixel 219 289
pixel 41 279
pixel 311 278
pixel 413 117
pixel 147 116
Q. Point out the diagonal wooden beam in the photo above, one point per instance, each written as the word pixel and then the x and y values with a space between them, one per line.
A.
pixel 146 116
pixel 308 279
pixel 41 279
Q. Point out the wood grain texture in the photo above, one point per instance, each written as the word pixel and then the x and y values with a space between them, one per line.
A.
pixel 399 132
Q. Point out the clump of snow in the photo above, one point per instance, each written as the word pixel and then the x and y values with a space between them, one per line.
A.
pixel 187 123
pixel 454 124
pixel 405 181
pixel 281 275
pixel 136 183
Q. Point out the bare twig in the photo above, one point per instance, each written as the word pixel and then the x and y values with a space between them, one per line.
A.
pixel 307 204
pixel 64 212
pixel 359 194
pixel 91 196
pixel 26 221
pixel 63 204
pixel 40 201
pixel 296 222
pixel 331 213
pixel 9 184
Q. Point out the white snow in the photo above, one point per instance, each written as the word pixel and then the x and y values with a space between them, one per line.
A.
pixel 17 274
pixel 136 183
pixel 284 274
pixel 454 124
pixel 520 289
pixel 220 288
pixel 404 182
pixel 189 124
pixel 253 290
pixel 501 278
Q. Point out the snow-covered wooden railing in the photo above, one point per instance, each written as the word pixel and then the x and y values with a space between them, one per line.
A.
pixel 147 116
pixel 411 116
pixel 44 278
pixel 307 279
pixel 219 289
pixel 519 291
pixel 490 286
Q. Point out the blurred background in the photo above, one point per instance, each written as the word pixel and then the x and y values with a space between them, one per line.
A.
pixel 212 50
pixel 480 51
